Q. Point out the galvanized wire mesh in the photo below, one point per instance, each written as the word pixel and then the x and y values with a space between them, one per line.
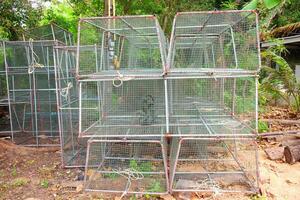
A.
pixel 73 148
pixel 208 111
pixel 3 88
pixel 127 166
pixel 4 117
pixel 31 92
pixel 124 43
pixel 217 39
pixel 132 108
pixel 212 106
pixel 217 165
pixel 50 32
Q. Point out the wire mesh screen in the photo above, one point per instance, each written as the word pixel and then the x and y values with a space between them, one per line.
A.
pixel 3 88
pixel 50 32
pixel 127 43
pixel 127 166
pixel 134 108
pixel 217 165
pixel 4 116
pixel 212 106
pixel 219 40
pixel 31 90
pixel 73 148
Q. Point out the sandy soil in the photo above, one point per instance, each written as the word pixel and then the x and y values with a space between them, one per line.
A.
pixel 29 173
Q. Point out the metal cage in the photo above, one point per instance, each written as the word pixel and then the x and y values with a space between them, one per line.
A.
pixel 132 108
pixel 73 148
pixel 108 45
pixel 212 106
pixel 49 32
pixel 226 41
pixel 127 166
pixel 213 165
pixel 31 92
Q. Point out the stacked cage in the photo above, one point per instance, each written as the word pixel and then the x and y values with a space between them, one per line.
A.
pixel 31 86
pixel 122 113
pixel 211 78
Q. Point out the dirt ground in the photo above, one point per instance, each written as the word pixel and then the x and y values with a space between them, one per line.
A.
pixel 29 173
pixel 36 173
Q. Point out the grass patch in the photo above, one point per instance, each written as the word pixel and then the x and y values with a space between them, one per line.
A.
pixel 44 183
pixel 19 182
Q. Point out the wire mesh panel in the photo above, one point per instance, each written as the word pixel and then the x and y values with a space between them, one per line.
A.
pixel 50 32
pixel 73 148
pixel 127 166
pixel 31 90
pixel 132 108
pixel 212 106
pixel 107 45
pixel 4 117
pixel 217 165
pixel 214 40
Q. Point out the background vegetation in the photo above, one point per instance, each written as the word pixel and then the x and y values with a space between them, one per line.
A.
pixel 19 15
pixel 279 83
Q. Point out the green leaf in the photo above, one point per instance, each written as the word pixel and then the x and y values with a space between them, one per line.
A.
pixel 271 3
pixel 252 5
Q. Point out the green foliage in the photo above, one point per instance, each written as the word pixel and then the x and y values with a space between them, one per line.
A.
pixel 252 5
pixel 289 14
pixel 16 15
pixel 262 127
pixel 44 183
pixel 144 166
pixel 155 186
pixel 230 5
pixel 280 83
pixel 62 14
pixel 133 165
pixel 269 4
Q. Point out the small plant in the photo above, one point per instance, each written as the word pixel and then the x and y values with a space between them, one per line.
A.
pixel 133 165
pixel 19 182
pixel 44 183
pixel 140 167
pixel 14 171
pixel 262 127
pixel 258 197
pixel 155 186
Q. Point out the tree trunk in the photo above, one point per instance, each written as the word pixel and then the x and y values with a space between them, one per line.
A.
pixel 292 154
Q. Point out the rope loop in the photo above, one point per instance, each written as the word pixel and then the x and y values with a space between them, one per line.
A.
pixel 64 92
pixel 131 175
pixel 34 59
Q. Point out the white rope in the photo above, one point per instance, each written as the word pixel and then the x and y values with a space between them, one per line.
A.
pixel 208 183
pixel 34 60
pixel 131 175
pixel 121 79
pixel 64 92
